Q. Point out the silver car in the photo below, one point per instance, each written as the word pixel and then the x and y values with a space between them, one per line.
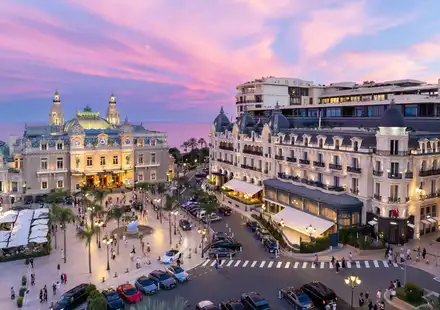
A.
pixel 146 285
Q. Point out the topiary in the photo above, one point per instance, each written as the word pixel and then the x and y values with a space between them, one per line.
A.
pixel 20 302
pixel 22 291
pixel 413 292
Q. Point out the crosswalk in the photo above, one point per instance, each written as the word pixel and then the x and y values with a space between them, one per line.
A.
pixel 235 263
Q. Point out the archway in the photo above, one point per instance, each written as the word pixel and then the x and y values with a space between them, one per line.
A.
pixel 252 181
pixel 244 178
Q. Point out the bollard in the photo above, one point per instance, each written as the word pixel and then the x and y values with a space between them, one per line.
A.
pixel 230 256
pixel 103 279
pixel 230 229
pixel 232 235
pixel 126 270
pixel 189 255
pixel 241 249
pixel 227 225
pixel 279 294
pixel 116 275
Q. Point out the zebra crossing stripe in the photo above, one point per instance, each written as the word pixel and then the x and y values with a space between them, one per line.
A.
pixel 304 265
pixel 367 264
pixel 262 264
pixel 230 263
pixel 376 264
pixel 330 265
pixel 238 263
pixel 358 264
pixel 245 263
pixel 205 263
pixel 287 265
pixel 213 263
pixel 221 264
pixel 395 265
pixel 296 265
pixel 253 264
pixel 385 263
pixel 348 265
pixel 279 264
pixel 270 265
pixel 322 265
pixel 313 265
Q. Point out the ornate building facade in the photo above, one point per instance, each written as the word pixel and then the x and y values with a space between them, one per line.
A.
pixel 88 150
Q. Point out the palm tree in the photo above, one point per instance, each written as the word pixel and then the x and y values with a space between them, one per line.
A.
pixel 202 142
pixel 161 189
pixel 64 216
pixel 185 146
pixel 86 235
pixel 93 209
pixel 170 205
pixel 116 213
pixel 178 303
pixel 192 143
pixel 54 220
pixel 99 195
pixel 209 203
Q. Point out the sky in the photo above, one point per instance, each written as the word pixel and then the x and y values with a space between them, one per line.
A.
pixel 178 61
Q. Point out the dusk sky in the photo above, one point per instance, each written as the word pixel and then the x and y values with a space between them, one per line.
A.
pixel 180 60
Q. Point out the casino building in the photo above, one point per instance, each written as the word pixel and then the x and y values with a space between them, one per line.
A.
pixel 88 150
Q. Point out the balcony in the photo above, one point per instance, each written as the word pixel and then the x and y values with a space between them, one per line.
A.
pixel 378 173
pixel 297 179
pixel 427 173
pixel 279 157
pixel 304 161
pixel 354 191
pixel 250 168
pixel 409 175
pixel 248 101
pixel 318 164
pixel 225 161
pixel 388 153
pixel 226 148
pixel 429 196
pixel 253 152
pixel 393 199
pixel 354 169
pixel 49 171
pixel 394 176
pixel 14 170
pixel 291 159
pixel 377 197
pixel 335 166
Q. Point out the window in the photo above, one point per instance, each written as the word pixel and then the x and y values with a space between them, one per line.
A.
pixel 435 164
pixel 44 185
pixel 336 160
pixel 337 144
pixel 89 161
pixel 292 154
pixel 1 186
pixel 141 159
pixel 153 142
pixel 320 159
pixel 59 146
pixel 153 175
pixel 14 186
pixel 423 167
pixel 305 155
pixel 16 165
pixel 127 159
pixel 319 177
pixel 378 165
pixel 321 143
pixel 377 189
pixel 305 175
pixel 394 169
pixel 355 163
pixel 140 177
pixel 102 161
pixel 336 181
pixel 60 184
pixel 355 146
pixel 355 185
pixel 60 163
pixel 306 141
pixel 44 146
pixel 394 147
pixel 115 159
pixel 433 186
pixel 43 164
pixel 153 158
pixel 394 192
pixel 410 111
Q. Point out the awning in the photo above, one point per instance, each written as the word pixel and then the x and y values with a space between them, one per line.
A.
pixel 372 223
pixel 243 187
pixel 426 222
pixel 299 221
pixel 410 225
pixel 432 220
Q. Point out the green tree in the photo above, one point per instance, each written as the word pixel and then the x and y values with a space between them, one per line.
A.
pixel 192 143
pixel 99 195
pixel 174 151
pixel 54 221
pixel 116 213
pixel 161 190
pixel 63 216
pixel 86 235
pixel 96 301
pixel 56 196
pixel 170 206
pixel 210 204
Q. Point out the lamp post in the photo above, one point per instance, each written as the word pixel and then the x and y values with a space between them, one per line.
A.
pixel 175 213
pixel 100 224
pixel 24 188
pixel 310 230
pixel 263 209
pixel 282 224
pixel 352 281
pixel 202 232
pixel 107 240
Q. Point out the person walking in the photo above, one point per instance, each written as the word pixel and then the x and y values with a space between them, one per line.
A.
pixel 350 257
pixel 41 296
pixel 361 300
pixel 45 293
pixel 337 266
pixel 316 260
pixel 59 269
pixel 31 261
pixel 378 296
pixel 54 288
pixel 424 253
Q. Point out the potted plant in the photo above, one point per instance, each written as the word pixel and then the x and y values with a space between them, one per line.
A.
pixel 22 291
pixel 20 302
pixel 23 280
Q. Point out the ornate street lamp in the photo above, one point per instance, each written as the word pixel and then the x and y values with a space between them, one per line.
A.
pixel 311 230
pixel 352 281
pixel 100 224
pixel 202 232
pixel 107 240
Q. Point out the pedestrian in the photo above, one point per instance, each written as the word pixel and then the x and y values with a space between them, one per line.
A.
pixel 333 260
pixel 178 262
pixel 65 278
pixel 418 252
pixel 54 288
pixel 337 266
pixel 56 227
pixel 370 305
pixel 133 250
pixel 62 254
pixel 31 261
pixel 378 296
pixel 350 257
pixel 59 269
pixel 45 293
pixel 408 254
pixel 124 238
pixel 361 300
pixel 41 296
pixel 316 260
pixel 424 253
pixel 343 262
pixel 367 295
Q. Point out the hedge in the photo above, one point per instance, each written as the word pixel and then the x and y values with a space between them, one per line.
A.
pixel 317 245
pixel 411 293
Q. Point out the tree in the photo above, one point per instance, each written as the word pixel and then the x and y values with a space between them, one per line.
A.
pixel 63 216
pixel 174 151
pixel 192 143
pixel 99 195
pixel 96 301
pixel 86 235
pixel 161 190
pixel 53 219
pixel 185 146
pixel 178 303
pixel 56 196
pixel 201 142
pixel 116 213
pixel 209 203
pixel 170 205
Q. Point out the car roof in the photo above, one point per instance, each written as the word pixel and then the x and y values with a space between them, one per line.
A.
pixel 320 287
pixel 143 277
pixel 256 297
pixel 76 288
pixel 109 291
pixel 205 303
pixel 157 272
pixel 126 286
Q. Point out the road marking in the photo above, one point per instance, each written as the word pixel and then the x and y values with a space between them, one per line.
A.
pixel 358 264
pixel 237 263
pixel 221 264
pixel 262 264
pixel 330 264
pixel 254 263
pixel 367 264
pixel 245 263
pixel 279 264
pixel 296 265
pixel 287 265
pixel 376 263
pixel 322 265
pixel 229 263
pixel 395 265
pixel 206 263
pixel 348 265
pixel 270 265
pixel 385 264
pixel 304 265
pixel 213 263
pixel 313 265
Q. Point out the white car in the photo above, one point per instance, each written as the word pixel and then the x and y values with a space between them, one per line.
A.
pixel 206 305
pixel 211 218
pixel 170 256
pixel 178 273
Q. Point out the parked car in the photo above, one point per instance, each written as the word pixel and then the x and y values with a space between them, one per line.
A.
pixel 129 293
pixel 220 236
pixel 68 200
pixel 231 304
pixel 170 256
pixel 271 245
pixel 252 225
pixel 146 285
pixel 206 305
pixel 178 273
pixel 227 243
pixel 226 211
pixel 162 279
pixel 262 233
pixel 297 298
pixel 220 252
pixel 211 218
pixel 114 301
pixel 254 301
pixel 185 225
pixel 319 293
pixel 72 298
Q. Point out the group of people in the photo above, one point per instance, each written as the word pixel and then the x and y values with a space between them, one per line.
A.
pixel 402 255
pixel 364 298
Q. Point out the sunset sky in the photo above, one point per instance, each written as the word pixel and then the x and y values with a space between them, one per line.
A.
pixel 180 60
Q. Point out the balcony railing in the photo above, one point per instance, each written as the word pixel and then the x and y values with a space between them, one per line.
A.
pixel 388 153
pixel 311 183
pixel 14 170
pixel 393 199
pixel 409 175
pixel 291 159
pixel 394 176
pixel 319 164
pixel 226 148
pixel 429 196
pixel 250 168
pixel 304 161
pixel 354 169
pixel 354 191
pixel 378 173
pixel 335 166
pixel 225 161
pixel 377 197
pixel 427 173
pixel 253 152
pixel 279 157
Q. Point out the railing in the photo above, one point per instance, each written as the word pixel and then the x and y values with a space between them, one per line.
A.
pixel 319 164
pixel 279 157
pixel 14 170
pixel 393 199
pixel 250 168
pixel 389 153
pixel 429 196
pixel 253 152
pixel 249 101
pixel 426 173
pixel 378 173
pixel 304 161
pixel 311 183
pixel 377 197
pixel 226 148
pixel 394 176
pixel 225 161
pixel 291 159
pixel 409 175
pixel 335 166
pixel 354 169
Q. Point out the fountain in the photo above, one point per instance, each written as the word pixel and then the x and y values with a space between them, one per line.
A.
pixel 133 228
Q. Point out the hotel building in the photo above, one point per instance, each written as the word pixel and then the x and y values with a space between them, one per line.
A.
pixel 333 156
pixel 87 150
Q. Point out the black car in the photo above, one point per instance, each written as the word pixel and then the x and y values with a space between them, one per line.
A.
pixel 231 304
pixel 220 236
pixel 220 252
pixel 28 200
pixel 226 211
pixel 114 301
pixel 319 293
pixel 270 245
pixel 262 233
pixel 297 298
pixel 68 200
pixel 72 298
pixel 162 279
pixel 253 225
pixel 254 301
pixel 227 244
pixel 185 224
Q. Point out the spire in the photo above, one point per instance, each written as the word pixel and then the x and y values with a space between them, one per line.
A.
pixel 56 115
pixel 56 97
pixel 112 115
pixel 222 111
pixel 126 120
pixel 277 105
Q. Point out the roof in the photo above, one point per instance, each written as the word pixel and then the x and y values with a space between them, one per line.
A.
pixel 341 201
pixel 392 117
pixel 243 187
pixel 277 120
pixel 88 123
pixel 221 121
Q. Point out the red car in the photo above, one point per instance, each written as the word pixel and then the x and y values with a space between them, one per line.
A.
pixel 129 293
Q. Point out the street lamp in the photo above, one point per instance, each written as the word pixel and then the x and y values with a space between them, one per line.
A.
pixel 202 232
pixel 108 240
pixel 175 213
pixel 352 281
pixel 282 224
pixel 100 224
pixel 24 188
pixel 263 208
pixel 310 230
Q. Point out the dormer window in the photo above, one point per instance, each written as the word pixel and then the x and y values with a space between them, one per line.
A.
pixel 321 143
pixel 355 146
pixel 59 145
pixel 423 147
pixel 337 144
pixel 306 141
pixel 44 146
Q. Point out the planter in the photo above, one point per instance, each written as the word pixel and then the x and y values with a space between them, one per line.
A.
pixel 19 302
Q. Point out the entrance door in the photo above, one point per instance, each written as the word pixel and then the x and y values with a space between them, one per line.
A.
pixel 90 181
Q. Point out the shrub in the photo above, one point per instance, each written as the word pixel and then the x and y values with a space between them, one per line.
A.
pixel 23 280
pixel 90 288
pixel 22 291
pixel 413 293
pixel 20 302
pixel 93 295
pixel 318 245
